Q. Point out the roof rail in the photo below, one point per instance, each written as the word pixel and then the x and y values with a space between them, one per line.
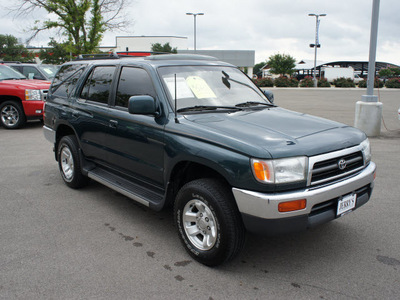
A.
pixel 111 55
pixel 181 57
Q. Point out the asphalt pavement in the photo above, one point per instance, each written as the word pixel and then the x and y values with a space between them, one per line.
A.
pixel 93 243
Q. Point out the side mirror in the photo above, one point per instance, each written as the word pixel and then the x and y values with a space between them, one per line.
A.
pixel 142 105
pixel 269 95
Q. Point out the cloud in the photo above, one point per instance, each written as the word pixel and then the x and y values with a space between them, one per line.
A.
pixel 266 26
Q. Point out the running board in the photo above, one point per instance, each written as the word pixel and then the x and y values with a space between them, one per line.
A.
pixel 131 190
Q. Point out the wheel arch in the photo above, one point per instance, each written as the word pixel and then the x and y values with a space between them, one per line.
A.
pixel 61 131
pixel 186 171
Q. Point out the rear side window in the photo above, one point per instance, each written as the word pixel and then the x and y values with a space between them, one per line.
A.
pixel 65 80
pixel 98 84
pixel 133 82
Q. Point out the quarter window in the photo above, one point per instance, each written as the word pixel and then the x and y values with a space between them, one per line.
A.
pixel 98 84
pixel 133 82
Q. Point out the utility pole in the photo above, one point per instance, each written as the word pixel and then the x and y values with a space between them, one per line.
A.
pixel 369 110
pixel 316 45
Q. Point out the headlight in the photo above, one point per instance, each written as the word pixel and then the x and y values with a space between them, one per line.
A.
pixel 366 150
pixel 33 95
pixel 285 170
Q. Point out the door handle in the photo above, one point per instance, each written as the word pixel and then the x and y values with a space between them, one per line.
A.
pixel 113 123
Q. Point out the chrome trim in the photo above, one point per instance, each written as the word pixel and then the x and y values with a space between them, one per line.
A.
pixel 49 134
pixel 265 205
pixel 315 159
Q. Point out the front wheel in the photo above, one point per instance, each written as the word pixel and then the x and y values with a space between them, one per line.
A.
pixel 208 221
pixel 12 115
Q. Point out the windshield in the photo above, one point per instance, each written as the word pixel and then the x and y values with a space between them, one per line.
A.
pixel 204 86
pixel 49 70
pixel 7 73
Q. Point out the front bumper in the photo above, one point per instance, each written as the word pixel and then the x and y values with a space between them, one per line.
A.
pixel 260 210
pixel 33 109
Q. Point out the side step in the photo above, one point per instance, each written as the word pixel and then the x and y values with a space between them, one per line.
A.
pixel 127 188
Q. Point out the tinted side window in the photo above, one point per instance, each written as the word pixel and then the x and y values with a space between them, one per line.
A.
pixel 133 82
pixel 66 79
pixel 98 84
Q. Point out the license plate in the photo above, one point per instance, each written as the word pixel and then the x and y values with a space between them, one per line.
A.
pixel 346 204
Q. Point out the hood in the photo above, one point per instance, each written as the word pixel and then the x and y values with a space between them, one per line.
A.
pixel 274 132
pixel 26 84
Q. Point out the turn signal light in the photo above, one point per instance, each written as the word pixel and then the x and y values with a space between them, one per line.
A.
pixel 261 171
pixel 292 205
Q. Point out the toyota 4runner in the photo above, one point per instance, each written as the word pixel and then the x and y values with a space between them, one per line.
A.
pixel 197 134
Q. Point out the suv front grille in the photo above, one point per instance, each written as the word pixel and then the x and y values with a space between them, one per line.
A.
pixel 334 168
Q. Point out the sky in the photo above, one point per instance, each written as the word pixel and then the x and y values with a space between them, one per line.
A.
pixel 266 26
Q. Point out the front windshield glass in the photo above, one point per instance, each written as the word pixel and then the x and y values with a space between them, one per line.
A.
pixel 49 70
pixel 209 86
pixel 7 73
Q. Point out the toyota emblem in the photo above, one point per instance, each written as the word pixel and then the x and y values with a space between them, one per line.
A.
pixel 342 164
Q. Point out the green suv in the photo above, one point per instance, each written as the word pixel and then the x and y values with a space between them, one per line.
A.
pixel 196 134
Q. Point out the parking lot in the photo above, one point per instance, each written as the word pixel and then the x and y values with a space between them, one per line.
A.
pixel 93 243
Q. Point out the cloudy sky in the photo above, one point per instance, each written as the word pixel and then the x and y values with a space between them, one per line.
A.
pixel 266 26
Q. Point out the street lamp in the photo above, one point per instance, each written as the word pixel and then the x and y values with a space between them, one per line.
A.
pixel 195 15
pixel 316 45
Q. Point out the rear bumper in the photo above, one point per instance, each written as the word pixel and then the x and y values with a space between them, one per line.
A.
pixel 260 211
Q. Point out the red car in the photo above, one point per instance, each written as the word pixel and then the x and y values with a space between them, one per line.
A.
pixel 21 99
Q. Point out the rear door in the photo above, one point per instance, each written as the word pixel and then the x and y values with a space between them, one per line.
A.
pixel 91 112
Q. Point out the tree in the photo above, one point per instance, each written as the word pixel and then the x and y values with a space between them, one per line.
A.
pixel 281 64
pixel 389 72
pixel 257 68
pixel 57 54
pixel 166 48
pixel 11 50
pixel 82 22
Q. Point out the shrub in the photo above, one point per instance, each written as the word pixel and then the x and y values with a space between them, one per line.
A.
pixel 283 81
pixel 393 83
pixel 344 82
pixel 293 82
pixel 377 83
pixel 323 83
pixel 264 82
pixel 307 82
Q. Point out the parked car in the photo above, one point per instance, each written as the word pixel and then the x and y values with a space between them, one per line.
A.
pixel 196 134
pixel 35 71
pixel 21 99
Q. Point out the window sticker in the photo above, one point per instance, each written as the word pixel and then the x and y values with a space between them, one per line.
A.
pixel 200 87
pixel 182 89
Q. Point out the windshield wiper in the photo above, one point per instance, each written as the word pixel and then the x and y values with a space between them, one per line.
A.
pixel 207 107
pixel 252 103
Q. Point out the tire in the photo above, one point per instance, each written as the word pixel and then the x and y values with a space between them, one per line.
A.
pixel 69 162
pixel 208 222
pixel 12 115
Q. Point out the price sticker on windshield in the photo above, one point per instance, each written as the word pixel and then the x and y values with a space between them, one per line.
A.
pixel 199 87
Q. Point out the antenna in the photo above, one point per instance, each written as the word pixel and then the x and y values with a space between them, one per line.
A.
pixel 175 109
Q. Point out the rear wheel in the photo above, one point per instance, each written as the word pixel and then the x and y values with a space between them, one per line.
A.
pixel 12 115
pixel 69 162
pixel 208 221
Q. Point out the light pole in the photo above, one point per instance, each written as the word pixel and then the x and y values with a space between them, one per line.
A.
pixel 316 45
pixel 195 15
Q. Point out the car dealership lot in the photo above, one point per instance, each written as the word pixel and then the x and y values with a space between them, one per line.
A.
pixel 95 243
